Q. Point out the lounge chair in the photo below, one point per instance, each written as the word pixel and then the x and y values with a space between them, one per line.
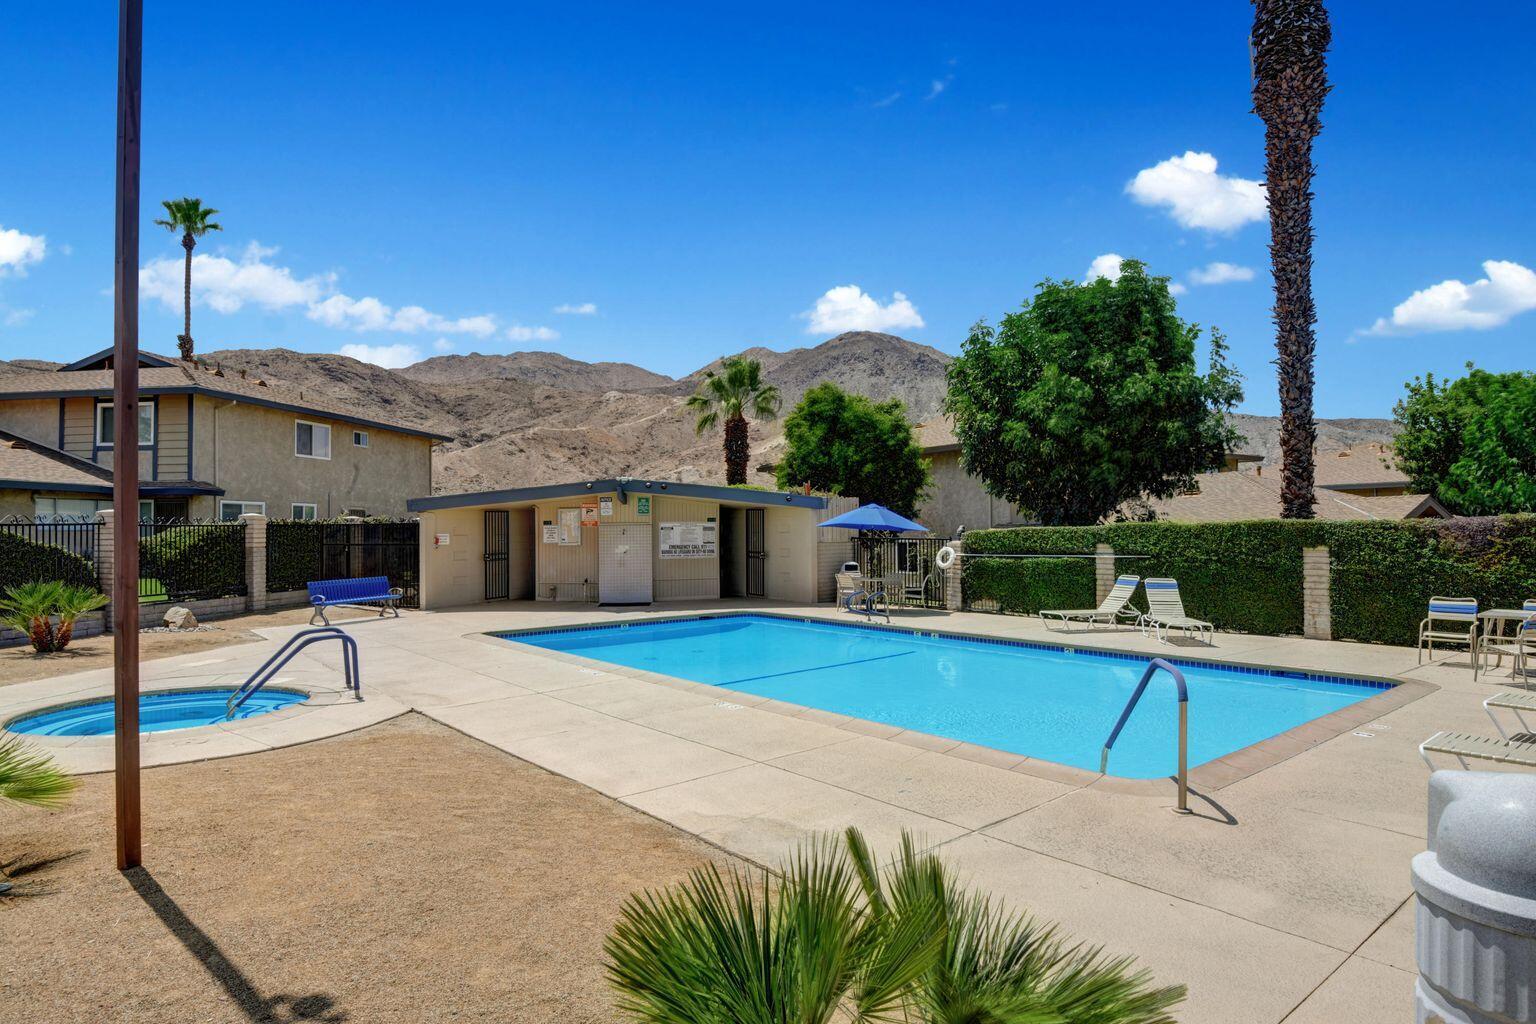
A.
pixel 1462 746
pixel 1514 703
pixel 1450 620
pixel 1110 610
pixel 1165 611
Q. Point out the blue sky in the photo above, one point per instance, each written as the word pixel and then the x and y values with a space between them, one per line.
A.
pixel 662 183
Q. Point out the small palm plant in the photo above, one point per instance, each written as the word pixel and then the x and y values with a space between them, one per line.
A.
pixel 193 220
pixel 28 776
pixel 838 939
pixel 737 390
pixel 33 607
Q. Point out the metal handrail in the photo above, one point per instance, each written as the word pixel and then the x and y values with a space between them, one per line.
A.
pixel 1130 705
pixel 296 643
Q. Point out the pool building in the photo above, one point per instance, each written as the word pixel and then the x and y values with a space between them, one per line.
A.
pixel 623 541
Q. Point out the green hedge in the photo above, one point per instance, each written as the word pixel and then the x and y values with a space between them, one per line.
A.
pixel 1247 577
pixel 293 553
pixel 192 562
pixel 26 561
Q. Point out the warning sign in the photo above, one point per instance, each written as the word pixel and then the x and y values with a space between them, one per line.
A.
pixel 685 540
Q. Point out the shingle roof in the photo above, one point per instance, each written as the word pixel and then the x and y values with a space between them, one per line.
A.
pixel 27 464
pixel 936 435
pixel 1364 465
pixel 1234 496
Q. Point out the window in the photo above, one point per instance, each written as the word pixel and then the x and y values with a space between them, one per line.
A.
pixel 146 510
pixel 67 510
pixel 361 513
pixel 304 510
pixel 105 431
pixel 231 510
pixel 360 438
pixel 311 440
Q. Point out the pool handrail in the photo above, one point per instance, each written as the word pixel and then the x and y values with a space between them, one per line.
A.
pixel 1130 705
pixel 294 644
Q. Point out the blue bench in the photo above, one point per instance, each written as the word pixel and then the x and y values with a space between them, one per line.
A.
pixel 324 594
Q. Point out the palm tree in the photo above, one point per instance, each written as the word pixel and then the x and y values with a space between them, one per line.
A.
pixel 29 776
pixel 31 608
pixel 1290 80
pixel 191 218
pixel 835 938
pixel 738 389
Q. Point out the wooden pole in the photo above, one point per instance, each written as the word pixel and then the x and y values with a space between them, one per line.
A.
pixel 125 438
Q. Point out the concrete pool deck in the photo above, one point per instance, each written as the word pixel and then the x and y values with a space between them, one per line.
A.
pixel 1286 897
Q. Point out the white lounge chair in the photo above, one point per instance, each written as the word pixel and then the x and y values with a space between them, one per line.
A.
pixel 1450 620
pixel 1165 611
pixel 1110 610
pixel 1514 703
pixel 1462 746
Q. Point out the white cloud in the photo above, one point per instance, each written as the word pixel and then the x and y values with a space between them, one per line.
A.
pixel 1177 289
pixel 369 314
pixel 13 317
pixel 938 85
pixel 442 345
pixel 886 101
pixel 1196 195
pixel 848 308
pixel 1220 273
pixel 19 250
pixel 1508 290
pixel 391 357
pixel 227 285
pixel 517 332
pixel 1107 265
pixel 577 309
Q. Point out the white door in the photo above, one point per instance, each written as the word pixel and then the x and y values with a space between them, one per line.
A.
pixel 624 563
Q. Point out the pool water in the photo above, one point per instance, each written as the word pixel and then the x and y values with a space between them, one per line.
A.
pixel 158 712
pixel 1046 702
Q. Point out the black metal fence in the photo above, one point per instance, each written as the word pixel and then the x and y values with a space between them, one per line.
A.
pixel 299 551
pixel 907 564
pixel 189 560
pixel 36 551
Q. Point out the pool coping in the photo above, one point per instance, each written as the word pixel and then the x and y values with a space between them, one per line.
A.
pixel 1216 774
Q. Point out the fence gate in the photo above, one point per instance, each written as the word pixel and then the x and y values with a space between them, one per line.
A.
pixel 907 564
pixel 498 546
pixel 350 550
pixel 757 553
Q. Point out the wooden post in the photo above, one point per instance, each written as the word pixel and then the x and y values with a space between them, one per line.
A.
pixel 125 440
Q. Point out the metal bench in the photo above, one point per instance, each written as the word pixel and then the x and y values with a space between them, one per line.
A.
pixel 367 590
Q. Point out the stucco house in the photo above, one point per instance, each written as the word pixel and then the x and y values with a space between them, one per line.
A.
pixel 213 443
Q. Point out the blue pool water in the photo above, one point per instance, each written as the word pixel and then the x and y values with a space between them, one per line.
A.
pixel 158 712
pixel 1043 702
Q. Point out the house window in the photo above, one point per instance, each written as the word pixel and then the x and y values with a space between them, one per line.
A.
pixel 67 510
pixel 311 440
pixel 304 510
pixel 360 438
pixel 105 427
pixel 232 510
pixel 361 513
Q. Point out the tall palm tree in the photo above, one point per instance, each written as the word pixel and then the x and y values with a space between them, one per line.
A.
pixel 737 390
pixel 1290 80
pixel 191 218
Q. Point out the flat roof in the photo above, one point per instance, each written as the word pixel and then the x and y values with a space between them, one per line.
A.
pixel 624 487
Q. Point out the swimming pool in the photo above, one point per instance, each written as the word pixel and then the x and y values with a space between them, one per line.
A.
pixel 158 712
pixel 1053 703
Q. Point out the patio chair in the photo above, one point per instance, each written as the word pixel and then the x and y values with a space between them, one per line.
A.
pixel 863 594
pixel 1165 612
pixel 1462 746
pixel 1519 647
pixel 849 582
pixel 1450 620
pixel 1111 610
pixel 1515 703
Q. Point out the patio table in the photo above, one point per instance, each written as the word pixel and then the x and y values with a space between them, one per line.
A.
pixel 1492 622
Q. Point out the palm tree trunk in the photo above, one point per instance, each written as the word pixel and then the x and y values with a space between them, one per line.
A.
pixel 1290 80
pixel 738 450
pixel 184 343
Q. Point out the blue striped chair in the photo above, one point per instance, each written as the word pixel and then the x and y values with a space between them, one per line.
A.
pixel 1451 620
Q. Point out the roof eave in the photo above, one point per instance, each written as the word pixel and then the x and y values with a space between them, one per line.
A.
pixel 624 487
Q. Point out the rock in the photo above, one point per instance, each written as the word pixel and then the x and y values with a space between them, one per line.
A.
pixel 180 618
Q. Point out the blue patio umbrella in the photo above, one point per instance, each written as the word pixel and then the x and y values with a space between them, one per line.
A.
pixel 873 519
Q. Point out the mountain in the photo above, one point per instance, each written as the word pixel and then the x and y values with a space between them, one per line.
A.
pixel 1262 434
pixel 26 366
pixel 548 368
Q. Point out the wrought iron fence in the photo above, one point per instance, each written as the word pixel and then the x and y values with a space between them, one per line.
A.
pixel 190 560
pixel 40 550
pixel 907 565
pixel 299 551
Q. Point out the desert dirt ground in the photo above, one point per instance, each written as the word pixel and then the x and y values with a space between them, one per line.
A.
pixel 21 664
pixel 402 873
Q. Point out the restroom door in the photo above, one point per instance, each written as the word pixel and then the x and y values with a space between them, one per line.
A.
pixel 757 553
pixel 624 570
pixel 498 575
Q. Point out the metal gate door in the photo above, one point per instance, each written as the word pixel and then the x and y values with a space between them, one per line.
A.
pixel 624 571
pixel 757 555
pixel 498 571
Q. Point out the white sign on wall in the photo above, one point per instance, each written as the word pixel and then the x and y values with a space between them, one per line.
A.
pixel 570 526
pixel 551 533
pixel 685 540
pixel 605 506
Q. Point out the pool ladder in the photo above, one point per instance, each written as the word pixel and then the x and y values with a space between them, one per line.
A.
pixel 286 653
pixel 1130 705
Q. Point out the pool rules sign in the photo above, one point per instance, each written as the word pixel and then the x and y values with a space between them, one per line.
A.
pixel 685 540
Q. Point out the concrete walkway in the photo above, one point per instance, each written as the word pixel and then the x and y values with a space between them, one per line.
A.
pixel 1286 897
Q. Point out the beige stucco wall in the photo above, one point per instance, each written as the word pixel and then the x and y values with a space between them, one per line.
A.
pixel 35 418
pixel 955 500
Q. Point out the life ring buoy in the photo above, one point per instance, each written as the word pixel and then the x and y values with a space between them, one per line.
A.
pixel 945 558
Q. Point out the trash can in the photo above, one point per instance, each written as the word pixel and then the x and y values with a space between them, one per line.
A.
pixel 1476 920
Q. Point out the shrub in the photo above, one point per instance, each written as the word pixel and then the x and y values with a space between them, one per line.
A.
pixel 26 561
pixel 195 561
pixel 47 612
pixel 293 553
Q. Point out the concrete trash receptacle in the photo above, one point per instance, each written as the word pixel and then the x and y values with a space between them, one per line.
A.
pixel 1475 927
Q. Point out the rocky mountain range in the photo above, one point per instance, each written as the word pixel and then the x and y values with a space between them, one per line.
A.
pixel 539 417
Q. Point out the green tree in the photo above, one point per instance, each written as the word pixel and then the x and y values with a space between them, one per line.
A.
pixel 736 391
pixel 193 220
pixel 1089 397
pixel 839 939
pixel 851 445
pixel 1290 79
pixel 1471 442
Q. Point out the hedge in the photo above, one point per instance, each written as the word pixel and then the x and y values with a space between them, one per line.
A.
pixel 195 561
pixel 1247 577
pixel 293 553
pixel 26 561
